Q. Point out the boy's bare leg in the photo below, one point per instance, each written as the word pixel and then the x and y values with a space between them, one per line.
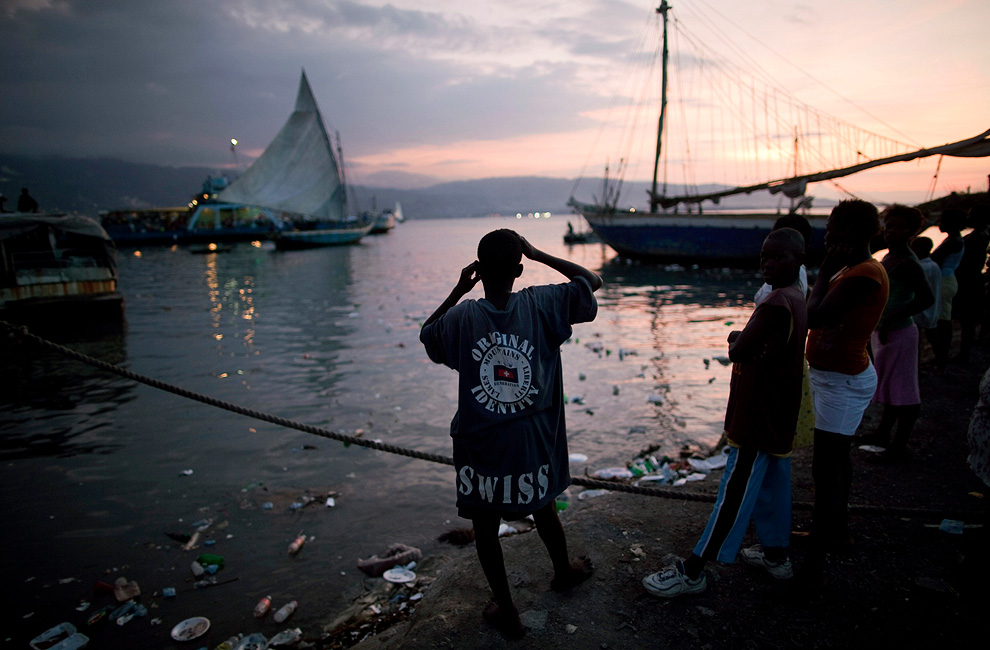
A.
pixel 502 613
pixel 568 572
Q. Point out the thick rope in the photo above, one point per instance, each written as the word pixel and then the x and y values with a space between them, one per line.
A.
pixel 24 334
pixel 615 486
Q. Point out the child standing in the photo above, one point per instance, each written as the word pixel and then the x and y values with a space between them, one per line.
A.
pixel 844 307
pixel 895 339
pixel 760 420
pixel 510 448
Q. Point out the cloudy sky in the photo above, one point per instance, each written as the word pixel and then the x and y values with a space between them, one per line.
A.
pixel 434 90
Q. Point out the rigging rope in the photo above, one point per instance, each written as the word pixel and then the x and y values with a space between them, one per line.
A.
pixel 611 485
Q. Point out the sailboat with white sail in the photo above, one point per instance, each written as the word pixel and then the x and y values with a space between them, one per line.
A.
pixel 300 177
pixel 676 226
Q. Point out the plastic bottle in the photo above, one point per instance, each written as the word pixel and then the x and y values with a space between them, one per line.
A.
pixel 229 644
pixel 297 544
pixel 286 611
pixel 285 639
pixel 263 606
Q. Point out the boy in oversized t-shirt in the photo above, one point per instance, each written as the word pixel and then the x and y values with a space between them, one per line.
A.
pixel 760 421
pixel 510 448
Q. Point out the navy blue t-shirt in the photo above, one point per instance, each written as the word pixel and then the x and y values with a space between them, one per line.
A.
pixel 510 447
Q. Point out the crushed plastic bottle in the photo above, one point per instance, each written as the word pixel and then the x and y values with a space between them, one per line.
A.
pixel 263 606
pixel 123 610
pixel 286 611
pixel 137 610
pixel 285 638
pixel 255 641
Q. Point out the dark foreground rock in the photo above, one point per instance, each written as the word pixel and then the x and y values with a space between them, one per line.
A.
pixel 903 583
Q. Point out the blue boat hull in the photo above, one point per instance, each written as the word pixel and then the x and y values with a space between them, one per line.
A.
pixel 733 240
pixel 298 239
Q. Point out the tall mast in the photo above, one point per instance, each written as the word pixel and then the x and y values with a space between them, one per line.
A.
pixel 343 178
pixel 662 10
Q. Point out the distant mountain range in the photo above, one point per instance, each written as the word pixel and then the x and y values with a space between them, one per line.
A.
pixel 89 186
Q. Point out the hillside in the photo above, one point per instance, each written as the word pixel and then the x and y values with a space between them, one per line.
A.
pixel 89 186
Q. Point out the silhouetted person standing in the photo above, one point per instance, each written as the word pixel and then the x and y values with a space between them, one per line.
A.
pixel 26 202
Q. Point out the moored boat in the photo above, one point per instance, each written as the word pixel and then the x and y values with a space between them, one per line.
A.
pixel 384 222
pixel 57 268
pixel 323 234
pixel 675 227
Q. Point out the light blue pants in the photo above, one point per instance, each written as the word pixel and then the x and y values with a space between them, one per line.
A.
pixel 755 484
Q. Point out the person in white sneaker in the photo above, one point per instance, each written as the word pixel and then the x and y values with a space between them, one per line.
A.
pixel 760 421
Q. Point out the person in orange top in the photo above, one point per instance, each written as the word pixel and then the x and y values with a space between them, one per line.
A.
pixel 844 308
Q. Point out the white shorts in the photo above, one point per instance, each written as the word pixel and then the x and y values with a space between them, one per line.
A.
pixel 841 399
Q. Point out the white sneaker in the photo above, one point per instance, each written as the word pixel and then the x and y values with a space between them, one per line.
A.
pixel 671 581
pixel 779 570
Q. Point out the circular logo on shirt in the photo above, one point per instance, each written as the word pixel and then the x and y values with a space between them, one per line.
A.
pixel 506 374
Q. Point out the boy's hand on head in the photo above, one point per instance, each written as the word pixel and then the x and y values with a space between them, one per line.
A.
pixel 527 249
pixel 469 277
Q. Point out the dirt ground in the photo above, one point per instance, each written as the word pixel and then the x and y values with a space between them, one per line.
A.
pixel 903 583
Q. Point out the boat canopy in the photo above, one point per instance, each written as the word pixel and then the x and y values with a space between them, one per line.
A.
pixel 297 173
pixel 18 223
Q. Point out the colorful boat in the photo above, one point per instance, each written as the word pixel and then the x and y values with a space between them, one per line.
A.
pixel 57 268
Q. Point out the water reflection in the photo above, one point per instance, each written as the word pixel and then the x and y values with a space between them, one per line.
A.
pixel 55 407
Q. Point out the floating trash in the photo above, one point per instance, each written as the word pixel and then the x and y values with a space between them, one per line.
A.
pixel 952 526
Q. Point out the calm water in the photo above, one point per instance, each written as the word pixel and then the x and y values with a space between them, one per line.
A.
pixel 92 464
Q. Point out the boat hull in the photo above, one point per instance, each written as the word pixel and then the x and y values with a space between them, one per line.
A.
pixel 301 239
pixel 71 309
pixel 733 240
pixel 384 223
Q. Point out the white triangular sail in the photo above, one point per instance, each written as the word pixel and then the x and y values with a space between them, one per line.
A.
pixel 298 172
